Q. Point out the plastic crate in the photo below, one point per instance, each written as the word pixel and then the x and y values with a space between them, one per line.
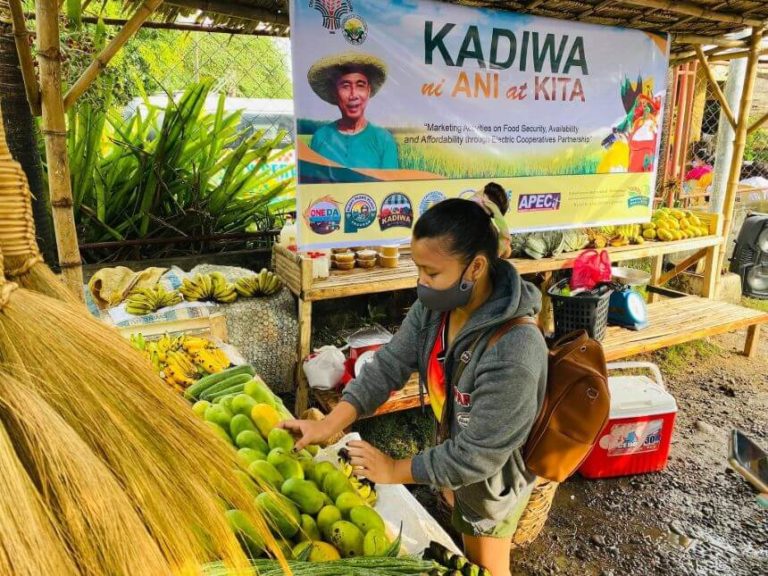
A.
pixel 571 313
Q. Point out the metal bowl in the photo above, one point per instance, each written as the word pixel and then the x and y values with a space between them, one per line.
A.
pixel 630 276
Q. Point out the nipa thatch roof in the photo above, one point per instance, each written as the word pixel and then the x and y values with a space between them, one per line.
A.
pixel 689 21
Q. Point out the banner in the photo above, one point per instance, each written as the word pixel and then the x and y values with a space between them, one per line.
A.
pixel 401 104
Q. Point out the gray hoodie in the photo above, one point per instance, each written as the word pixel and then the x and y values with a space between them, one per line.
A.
pixel 494 405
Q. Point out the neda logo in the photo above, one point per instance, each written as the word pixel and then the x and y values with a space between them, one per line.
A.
pixel 537 202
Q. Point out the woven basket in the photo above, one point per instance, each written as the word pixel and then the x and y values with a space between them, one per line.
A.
pixel 536 513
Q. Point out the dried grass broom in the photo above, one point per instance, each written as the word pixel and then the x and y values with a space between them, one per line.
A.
pixel 23 260
pixel 103 530
pixel 177 474
pixel 26 527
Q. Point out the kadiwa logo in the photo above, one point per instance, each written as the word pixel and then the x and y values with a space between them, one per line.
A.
pixel 538 202
pixel 332 11
pixel 354 29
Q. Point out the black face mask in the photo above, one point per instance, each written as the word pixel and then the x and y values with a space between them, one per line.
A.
pixel 449 299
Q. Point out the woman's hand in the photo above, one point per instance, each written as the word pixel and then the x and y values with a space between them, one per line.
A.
pixel 373 464
pixel 308 431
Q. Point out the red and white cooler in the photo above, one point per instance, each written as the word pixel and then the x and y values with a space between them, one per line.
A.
pixel 637 437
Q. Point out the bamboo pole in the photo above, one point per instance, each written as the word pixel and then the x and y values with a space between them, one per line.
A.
pixel 721 41
pixel 55 134
pixel 690 9
pixel 758 124
pixel 740 141
pixel 269 30
pixel 728 56
pixel 26 61
pixel 686 57
pixel 102 60
pixel 715 87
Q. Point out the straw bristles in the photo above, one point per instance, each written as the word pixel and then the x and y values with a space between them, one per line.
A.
pixel 29 542
pixel 103 530
pixel 23 261
pixel 174 470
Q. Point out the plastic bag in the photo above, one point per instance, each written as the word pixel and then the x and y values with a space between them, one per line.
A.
pixel 590 269
pixel 325 368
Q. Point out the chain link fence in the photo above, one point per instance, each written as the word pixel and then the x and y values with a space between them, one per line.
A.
pixel 696 121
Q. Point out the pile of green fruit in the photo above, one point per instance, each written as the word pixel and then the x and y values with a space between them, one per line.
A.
pixel 265 283
pixel 449 564
pixel 147 300
pixel 319 509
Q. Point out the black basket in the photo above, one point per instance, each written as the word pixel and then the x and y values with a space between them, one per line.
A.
pixel 571 313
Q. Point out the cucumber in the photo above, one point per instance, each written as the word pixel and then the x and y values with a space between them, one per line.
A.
pixel 231 391
pixel 222 385
pixel 206 382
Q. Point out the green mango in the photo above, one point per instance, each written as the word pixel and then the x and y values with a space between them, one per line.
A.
pixel 375 543
pixel 200 407
pixel 318 552
pixel 286 465
pixel 317 474
pixel 336 483
pixel 243 404
pixel 219 431
pixel 347 538
pixel 246 456
pixel 313 450
pixel 366 518
pixel 282 514
pixel 326 518
pixel 240 423
pixel 219 415
pixel 260 392
pixel 246 532
pixel 225 401
pixel 308 529
pixel 304 494
pixel 252 439
pixel 307 466
pixel 279 438
pixel 348 500
pixel 268 474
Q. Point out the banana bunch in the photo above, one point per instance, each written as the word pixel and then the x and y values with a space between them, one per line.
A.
pixel 616 236
pixel 211 287
pixel 365 488
pixel 210 360
pixel 146 300
pixel 181 360
pixel 265 283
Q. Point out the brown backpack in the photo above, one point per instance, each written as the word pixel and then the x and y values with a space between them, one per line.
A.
pixel 576 405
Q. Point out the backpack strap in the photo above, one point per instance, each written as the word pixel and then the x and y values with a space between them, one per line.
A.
pixel 507 326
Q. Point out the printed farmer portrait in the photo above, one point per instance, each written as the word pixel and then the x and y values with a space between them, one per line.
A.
pixel 349 81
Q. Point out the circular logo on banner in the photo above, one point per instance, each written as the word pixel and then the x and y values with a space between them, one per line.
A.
pixel 430 200
pixel 323 216
pixel 359 213
pixel 396 210
pixel 355 29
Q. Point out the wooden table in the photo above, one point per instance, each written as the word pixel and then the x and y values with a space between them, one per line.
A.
pixel 296 272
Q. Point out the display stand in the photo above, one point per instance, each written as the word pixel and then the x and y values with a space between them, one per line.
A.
pixel 671 321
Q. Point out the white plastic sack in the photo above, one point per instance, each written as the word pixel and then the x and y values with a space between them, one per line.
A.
pixel 397 505
pixel 324 368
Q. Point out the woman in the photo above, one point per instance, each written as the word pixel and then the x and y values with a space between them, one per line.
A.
pixel 465 292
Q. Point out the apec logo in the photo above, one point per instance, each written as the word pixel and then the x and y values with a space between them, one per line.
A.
pixel 538 202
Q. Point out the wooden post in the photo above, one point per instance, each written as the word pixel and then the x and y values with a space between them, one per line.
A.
pixel 740 141
pixel 753 341
pixel 100 62
pixel 657 269
pixel 26 61
pixel 305 338
pixel 55 134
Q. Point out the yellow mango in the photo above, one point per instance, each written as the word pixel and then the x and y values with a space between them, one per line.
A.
pixel 265 417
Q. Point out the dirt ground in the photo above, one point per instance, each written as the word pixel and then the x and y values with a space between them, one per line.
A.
pixel 697 517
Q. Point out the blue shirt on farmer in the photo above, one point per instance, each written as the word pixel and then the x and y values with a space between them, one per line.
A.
pixel 373 147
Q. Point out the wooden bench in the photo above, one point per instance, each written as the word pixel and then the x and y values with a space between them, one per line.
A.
pixel 671 321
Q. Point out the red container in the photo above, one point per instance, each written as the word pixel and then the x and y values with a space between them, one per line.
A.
pixel 367 339
pixel 638 435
